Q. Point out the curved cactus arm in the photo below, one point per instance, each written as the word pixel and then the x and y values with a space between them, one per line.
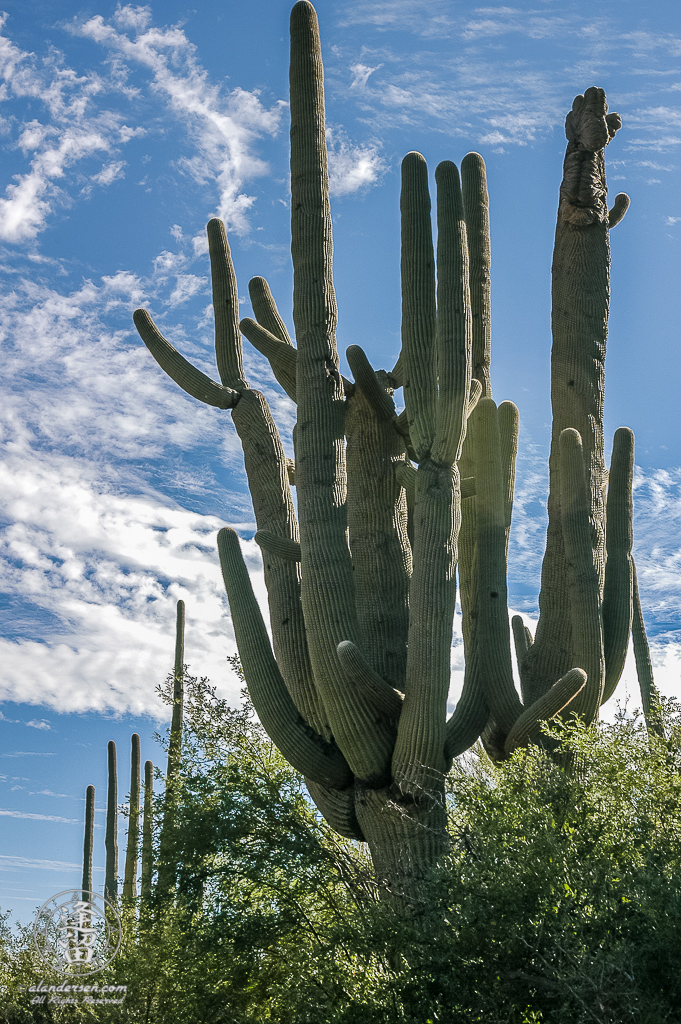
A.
pixel 580 305
pixel 470 715
pixel 560 696
pixel 228 346
pixel 493 634
pixel 280 547
pixel 453 332
pixel 338 807
pixel 148 831
pixel 88 841
pixel 365 378
pixel 476 393
pixel 377 512
pixel 522 640
pixel 265 309
pixel 111 838
pixel 191 380
pixel 131 853
pixel 476 204
pixel 620 207
pixel 650 697
pixel 418 304
pixel 305 749
pixel 281 355
pixel 619 536
pixel 585 597
pixel 387 700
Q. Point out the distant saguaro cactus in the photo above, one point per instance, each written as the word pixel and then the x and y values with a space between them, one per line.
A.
pixel 130 876
pixel 111 838
pixel 362 581
pixel 167 866
pixel 88 841
pixel 148 831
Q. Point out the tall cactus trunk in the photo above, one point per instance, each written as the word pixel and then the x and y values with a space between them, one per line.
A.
pixel 88 841
pixel 167 867
pixel 353 687
pixel 148 832
pixel 111 839
pixel 131 854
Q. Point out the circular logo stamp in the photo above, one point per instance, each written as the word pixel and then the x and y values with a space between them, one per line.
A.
pixel 77 932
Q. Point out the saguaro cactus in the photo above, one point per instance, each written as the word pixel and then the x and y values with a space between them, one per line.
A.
pixel 130 876
pixel 362 582
pixel 111 838
pixel 88 841
pixel 167 867
pixel 148 831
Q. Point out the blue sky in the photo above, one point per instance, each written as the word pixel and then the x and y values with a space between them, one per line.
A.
pixel 123 129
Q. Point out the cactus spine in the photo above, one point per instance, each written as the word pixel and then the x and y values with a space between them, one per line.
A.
pixel 148 831
pixel 167 869
pixel 362 583
pixel 131 853
pixel 88 841
pixel 111 839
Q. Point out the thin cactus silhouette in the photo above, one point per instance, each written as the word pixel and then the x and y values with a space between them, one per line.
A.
pixel 132 849
pixel 148 832
pixel 361 578
pixel 167 866
pixel 111 838
pixel 88 841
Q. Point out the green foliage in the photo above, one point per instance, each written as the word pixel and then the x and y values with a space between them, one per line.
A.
pixel 559 901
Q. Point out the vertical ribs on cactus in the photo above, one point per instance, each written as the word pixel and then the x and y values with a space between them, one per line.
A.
pixel 167 866
pixel 111 836
pixel 361 581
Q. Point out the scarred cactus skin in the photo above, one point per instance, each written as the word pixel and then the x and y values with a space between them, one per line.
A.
pixel 361 581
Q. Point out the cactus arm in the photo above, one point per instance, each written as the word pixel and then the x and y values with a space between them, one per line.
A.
pixel 228 347
pixel 305 749
pixel 366 379
pixel 585 598
pixel 453 331
pixel 280 547
pixel 377 529
pixel 620 207
pixel 507 415
pixel 148 831
pixel 88 841
pixel 528 726
pixel 191 380
pixel 476 204
pixel 386 699
pixel 650 698
pixel 338 807
pixel 111 838
pixel 418 304
pixel 580 305
pixel 281 355
pixel 470 716
pixel 493 635
pixel 619 536
pixel 131 853
pixel 265 309
pixel 522 640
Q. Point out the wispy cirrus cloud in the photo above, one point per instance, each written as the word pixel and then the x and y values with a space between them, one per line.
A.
pixel 224 127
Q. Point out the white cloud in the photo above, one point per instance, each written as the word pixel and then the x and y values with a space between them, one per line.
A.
pixel 39 723
pixel 8 861
pixel 39 817
pixel 186 286
pixel 224 128
pixel 351 167
pixel 110 173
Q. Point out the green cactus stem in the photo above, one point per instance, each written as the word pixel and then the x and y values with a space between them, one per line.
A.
pixel 111 838
pixel 167 869
pixel 148 832
pixel 131 854
pixel 88 841
pixel 650 697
